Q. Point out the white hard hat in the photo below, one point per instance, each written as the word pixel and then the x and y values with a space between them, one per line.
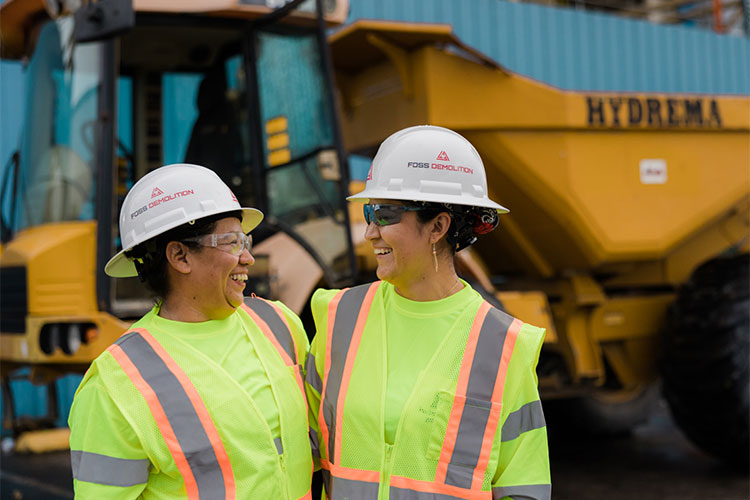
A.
pixel 169 197
pixel 428 163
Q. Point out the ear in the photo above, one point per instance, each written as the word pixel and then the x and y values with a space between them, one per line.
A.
pixel 439 227
pixel 177 257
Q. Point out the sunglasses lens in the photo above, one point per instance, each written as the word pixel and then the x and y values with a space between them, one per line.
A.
pixel 383 215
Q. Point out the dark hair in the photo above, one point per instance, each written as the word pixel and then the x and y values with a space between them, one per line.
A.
pixel 466 221
pixel 150 257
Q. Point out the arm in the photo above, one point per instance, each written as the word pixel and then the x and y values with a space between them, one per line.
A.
pixel 107 458
pixel 523 465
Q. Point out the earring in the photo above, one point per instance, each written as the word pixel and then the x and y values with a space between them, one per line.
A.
pixel 434 257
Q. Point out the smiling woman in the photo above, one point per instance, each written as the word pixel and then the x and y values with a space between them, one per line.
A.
pixel 203 396
pixel 439 387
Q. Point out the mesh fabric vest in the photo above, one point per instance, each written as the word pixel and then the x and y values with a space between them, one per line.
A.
pixel 252 464
pixel 447 443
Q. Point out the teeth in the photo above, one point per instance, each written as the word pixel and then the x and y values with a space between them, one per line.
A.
pixel 382 251
pixel 239 277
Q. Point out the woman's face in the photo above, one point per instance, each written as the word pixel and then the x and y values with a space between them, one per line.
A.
pixel 402 250
pixel 219 277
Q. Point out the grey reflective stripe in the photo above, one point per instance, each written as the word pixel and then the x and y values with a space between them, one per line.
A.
pixel 187 427
pixel 341 337
pixel 484 368
pixel 527 418
pixel 524 492
pixel 279 446
pixel 277 325
pixel 314 444
pixel 312 377
pixel 349 489
pixel 403 494
pixel 112 471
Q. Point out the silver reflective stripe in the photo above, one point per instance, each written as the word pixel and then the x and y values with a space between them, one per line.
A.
pixel 277 325
pixel 349 489
pixel 187 427
pixel 484 368
pixel 312 377
pixel 342 333
pixel 279 446
pixel 524 492
pixel 529 417
pixel 314 444
pixel 112 471
pixel 403 494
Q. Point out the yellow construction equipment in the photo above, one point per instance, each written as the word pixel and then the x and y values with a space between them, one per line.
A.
pixel 627 237
pixel 616 199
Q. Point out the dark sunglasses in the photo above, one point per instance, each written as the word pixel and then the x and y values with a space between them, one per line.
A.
pixel 385 215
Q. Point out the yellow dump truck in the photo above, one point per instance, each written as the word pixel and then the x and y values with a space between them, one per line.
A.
pixel 628 231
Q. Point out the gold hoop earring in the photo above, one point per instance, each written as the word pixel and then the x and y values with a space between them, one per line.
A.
pixel 434 257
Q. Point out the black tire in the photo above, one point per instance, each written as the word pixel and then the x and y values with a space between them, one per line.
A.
pixel 605 412
pixel 706 377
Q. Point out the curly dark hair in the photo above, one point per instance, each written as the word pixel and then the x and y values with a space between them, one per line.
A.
pixel 466 221
pixel 150 257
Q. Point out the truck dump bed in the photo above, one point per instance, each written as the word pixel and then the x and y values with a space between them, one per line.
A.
pixel 602 182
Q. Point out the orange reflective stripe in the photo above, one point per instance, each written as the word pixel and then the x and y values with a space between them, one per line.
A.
pixel 322 422
pixel 270 335
pixel 371 476
pixel 191 487
pixel 497 395
pixel 201 410
pixel 438 488
pixel 454 420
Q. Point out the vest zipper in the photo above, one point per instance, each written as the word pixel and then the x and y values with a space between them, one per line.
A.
pixel 385 473
pixel 284 478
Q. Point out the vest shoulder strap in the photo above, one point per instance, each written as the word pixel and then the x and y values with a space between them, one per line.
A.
pixel 271 320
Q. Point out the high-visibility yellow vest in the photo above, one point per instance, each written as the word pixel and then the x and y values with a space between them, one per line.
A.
pixel 472 407
pixel 204 436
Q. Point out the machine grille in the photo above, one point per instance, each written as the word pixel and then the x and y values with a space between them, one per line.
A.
pixel 13 299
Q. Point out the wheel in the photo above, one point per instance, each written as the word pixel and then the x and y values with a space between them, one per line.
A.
pixel 706 381
pixel 606 412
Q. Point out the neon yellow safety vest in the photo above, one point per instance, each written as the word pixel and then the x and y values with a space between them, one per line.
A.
pixel 450 439
pixel 179 405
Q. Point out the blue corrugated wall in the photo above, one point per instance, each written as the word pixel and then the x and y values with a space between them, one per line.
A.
pixel 580 50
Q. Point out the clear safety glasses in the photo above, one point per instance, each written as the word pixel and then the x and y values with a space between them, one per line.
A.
pixel 385 215
pixel 234 243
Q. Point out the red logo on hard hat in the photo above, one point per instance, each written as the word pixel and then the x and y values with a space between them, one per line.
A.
pixel 234 198
pixel 443 157
pixel 369 173
pixel 156 192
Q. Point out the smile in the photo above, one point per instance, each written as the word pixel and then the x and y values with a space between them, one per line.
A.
pixel 382 251
pixel 239 277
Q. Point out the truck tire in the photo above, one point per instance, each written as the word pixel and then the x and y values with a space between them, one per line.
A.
pixel 604 412
pixel 706 381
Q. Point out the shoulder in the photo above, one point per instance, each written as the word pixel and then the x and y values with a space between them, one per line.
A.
pixel 525 339
pixel 323 296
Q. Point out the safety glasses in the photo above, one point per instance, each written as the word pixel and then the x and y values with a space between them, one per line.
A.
pixel 385 215
pixel 234 243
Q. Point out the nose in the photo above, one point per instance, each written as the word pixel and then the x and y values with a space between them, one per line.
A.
pixel 372 232
pixel 246 258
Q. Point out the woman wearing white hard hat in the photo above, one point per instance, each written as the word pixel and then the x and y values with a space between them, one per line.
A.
pixel 203 396
pixel 418 388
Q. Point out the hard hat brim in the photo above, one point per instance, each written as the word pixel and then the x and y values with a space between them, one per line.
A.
pixel 120 266
pixel 368 194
